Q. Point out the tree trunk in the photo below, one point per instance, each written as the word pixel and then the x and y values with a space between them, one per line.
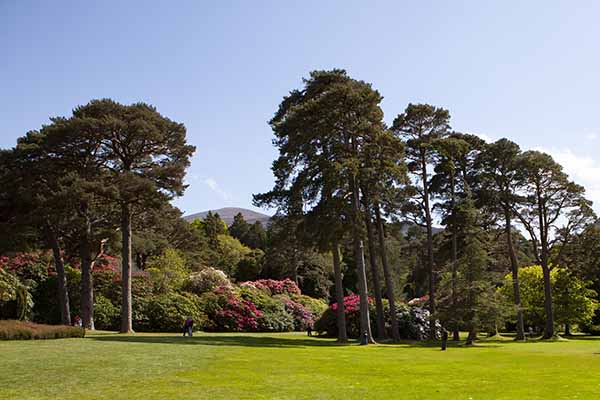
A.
pixel 549 327
pixel 471 337
pixel 63 289
pixel 455 331
pixel 87 284
pixel 359 259
pixel 567 329
pixel 429 243
pixel 389 282
pixel 126 318
pixel 380 317
pixel 514 267
pixel 339 293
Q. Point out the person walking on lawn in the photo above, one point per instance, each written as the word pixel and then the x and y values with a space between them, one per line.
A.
pixel 188 327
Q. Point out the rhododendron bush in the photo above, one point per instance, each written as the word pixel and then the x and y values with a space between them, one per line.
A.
pixel 273 287
pixel 208 296
pixel 265 305
pixel 413 321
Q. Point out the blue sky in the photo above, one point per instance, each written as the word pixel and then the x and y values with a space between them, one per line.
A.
pixel 528 71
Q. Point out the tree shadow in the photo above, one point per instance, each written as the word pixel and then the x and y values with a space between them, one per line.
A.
pixel 220 340
pixel 260 341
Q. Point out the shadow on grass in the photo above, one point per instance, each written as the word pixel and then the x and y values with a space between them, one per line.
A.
pixel 262 341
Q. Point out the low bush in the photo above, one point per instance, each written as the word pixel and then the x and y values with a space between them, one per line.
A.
pixel 21 330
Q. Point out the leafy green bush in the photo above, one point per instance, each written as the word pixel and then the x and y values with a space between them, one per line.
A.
pixel 21 330
pixel 15 298
pixel 168 312
pixel 106 314
pixel 316 306
pixel 167 271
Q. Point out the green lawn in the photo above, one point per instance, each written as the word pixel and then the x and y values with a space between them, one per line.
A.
pixel 292 366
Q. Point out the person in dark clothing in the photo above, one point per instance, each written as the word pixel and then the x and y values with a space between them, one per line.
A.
pixel 188 327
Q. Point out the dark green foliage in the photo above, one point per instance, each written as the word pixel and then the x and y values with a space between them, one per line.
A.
pixel 250 266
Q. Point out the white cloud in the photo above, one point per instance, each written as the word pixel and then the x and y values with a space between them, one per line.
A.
pixel 582 169
pixel 591 136
pixel 214 186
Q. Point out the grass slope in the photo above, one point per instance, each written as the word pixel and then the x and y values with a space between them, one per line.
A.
pixel 292 366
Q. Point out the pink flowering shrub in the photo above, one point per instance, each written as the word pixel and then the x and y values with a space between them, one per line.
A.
pixel 303 318
pixel 351 303
pixel 265 305
pixel 273 287
pixel 327 323
pixel 227 312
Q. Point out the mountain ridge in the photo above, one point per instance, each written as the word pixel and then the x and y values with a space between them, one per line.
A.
pixel 228 213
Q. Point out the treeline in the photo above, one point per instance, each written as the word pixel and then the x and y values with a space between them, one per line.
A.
pixel 344 176
pixel 411 210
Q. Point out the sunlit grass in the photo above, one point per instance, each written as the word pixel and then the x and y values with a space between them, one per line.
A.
pixel 293 366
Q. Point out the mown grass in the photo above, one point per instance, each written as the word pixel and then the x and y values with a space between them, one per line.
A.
pixel 292 366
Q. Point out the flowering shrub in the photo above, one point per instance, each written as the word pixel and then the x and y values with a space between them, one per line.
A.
pixel 302 317
pixel 205 280
pixel 237 314
pixel 351 303
pixel 227 312
pixel 251 307
pixel 413 322
pixel 273 287
pixel 35 266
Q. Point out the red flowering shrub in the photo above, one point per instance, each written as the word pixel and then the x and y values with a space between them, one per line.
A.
pixel 34 266
pixel 228 312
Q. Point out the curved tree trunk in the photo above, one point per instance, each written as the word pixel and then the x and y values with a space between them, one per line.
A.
pixel 389 282
pixel 339 293
pixel 380 317
pixel 514 267
pixel 126 317
pixel 63 289
pixel 87 285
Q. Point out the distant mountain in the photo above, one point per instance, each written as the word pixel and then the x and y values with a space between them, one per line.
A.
pixel 228 213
